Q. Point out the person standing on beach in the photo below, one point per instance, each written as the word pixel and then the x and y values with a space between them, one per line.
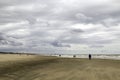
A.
pixel 90 56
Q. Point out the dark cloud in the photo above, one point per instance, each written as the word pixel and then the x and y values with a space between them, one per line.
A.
pixel 74 31
pixel 59 44
pixel 6 40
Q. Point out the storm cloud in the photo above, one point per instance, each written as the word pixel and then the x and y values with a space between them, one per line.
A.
pixel 54 25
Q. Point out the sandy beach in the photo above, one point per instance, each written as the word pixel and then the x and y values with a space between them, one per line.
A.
pixel 33 67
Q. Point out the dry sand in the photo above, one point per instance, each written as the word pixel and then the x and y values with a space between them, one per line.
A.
pixel 14 57
pixel 52 68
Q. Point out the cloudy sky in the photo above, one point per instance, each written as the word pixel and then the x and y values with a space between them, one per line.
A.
pixel 60 26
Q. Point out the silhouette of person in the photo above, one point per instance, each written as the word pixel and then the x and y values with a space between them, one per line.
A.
pixel 74 56
pixel 59 55
pixel 90 56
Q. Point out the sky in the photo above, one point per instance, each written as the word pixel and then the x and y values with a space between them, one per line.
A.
pixel 60 26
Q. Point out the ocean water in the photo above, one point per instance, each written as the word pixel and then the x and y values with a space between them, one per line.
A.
pixel 99 56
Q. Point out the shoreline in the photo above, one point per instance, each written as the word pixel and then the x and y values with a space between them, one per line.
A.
pixel 111 57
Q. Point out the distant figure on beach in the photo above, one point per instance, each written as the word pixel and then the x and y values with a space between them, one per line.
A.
pixel 74 56
pixel 59 55
pixel 90 56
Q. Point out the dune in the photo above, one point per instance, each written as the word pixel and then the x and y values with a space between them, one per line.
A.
pixel 36 67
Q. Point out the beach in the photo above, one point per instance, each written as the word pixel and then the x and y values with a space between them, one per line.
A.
pixel 36 67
